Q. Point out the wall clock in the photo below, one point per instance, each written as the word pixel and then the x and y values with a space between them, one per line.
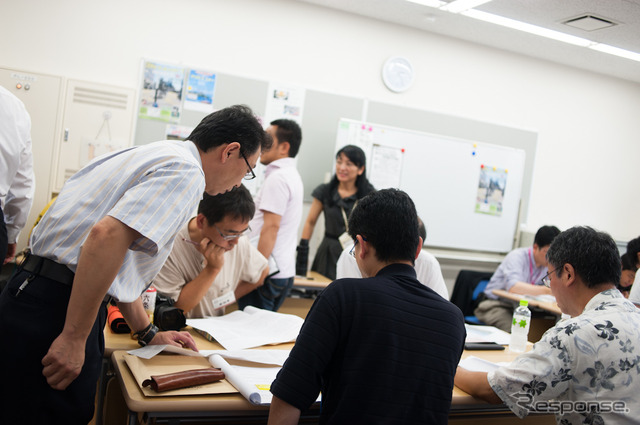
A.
pixel 397 74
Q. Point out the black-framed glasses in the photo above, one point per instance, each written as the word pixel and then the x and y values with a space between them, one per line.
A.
pixel 352 252
pixel 250 175
pixel 546 281
pixel 234 236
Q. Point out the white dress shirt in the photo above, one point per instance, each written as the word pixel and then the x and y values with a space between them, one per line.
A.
pixel 17 182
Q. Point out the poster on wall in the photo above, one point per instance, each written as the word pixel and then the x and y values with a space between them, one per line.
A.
pixel 161 93
pixel 491 186
pixel 284 101
pixel 200 89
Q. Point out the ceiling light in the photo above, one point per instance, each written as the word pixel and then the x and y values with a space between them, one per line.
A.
pixel 605 48
pixel 430 3
pixel 532 29
pixel 458 6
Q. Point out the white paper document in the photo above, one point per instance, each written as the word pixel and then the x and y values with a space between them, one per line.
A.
pixel 250 328
pixel 476 364
pixel 150 351
pixel 254 383
pixel 479 333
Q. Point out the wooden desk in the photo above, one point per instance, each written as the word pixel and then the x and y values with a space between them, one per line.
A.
pixel 234 407
pixel 118 342
pixel 547 306
pixel 313 280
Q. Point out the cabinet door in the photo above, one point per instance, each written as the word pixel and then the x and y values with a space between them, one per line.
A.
pixel 97 119
pixel 41 95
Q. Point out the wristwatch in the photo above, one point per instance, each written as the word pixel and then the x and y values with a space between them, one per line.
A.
pixel 145 335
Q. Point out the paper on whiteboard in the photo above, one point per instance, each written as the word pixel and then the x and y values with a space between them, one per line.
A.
pixel 385 167
pixel 250 328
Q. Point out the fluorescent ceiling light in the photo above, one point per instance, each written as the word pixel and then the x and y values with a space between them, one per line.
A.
pixel 429 3
pixel 532 29
pixel 605 48
pixel 458 6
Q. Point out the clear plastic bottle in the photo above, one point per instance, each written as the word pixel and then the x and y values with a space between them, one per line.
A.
pixel 520 327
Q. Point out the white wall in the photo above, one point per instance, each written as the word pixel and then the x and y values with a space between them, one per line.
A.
pixel 588 126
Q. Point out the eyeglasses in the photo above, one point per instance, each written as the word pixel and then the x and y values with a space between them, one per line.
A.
pixel 352 252
pixel 250 175
pixel 234 236
pixel 546 280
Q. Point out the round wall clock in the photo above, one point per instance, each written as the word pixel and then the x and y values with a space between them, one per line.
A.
pixel 397 74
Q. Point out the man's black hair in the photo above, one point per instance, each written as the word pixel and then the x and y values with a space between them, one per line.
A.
pixel 633 248
pixel 237 204
pixel 387 219
pixel 545 235
pixel 233 124
pixel 289 131
pixel 594 255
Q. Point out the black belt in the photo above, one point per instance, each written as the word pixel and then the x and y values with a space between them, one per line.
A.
pixel 48 268
pixel 45 267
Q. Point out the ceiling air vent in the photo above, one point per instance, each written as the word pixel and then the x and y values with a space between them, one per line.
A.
pixel 589 23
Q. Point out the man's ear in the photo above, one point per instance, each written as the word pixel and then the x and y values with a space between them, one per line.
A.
pixel 570 272
pixel 229 150
pixel 283 148
pixel 364 247
pixel 201 221
pixel 419 248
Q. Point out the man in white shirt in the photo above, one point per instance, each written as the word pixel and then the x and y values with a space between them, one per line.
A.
pixel 427 267
pixel 279 210
pixel 212 262
pixel 16 172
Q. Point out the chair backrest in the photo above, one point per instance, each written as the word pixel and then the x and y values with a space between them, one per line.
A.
pixel 469 285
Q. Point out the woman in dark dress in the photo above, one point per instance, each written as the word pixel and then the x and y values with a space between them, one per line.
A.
pixel 336 199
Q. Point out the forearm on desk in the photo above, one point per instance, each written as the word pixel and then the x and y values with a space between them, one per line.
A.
pixel 523 288
pixel 476 384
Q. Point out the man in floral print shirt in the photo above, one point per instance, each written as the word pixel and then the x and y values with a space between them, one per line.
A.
pixel 586 369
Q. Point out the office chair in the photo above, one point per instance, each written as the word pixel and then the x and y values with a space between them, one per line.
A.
pixel 466 292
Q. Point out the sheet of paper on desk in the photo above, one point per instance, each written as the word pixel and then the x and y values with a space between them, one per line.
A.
pixel 266 357
pixel 478 333
pixel 253 383
pixel 150 351
pixel 250 328
pixel 476 364
pixel 252 380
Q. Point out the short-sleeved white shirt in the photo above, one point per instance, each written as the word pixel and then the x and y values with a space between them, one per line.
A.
pixel 243 262
pixel 427 267
pixel 281 194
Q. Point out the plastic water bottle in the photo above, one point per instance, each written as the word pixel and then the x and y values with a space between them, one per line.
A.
pixel 520 327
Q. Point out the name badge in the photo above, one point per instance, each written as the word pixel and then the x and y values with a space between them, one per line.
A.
pixel 224 300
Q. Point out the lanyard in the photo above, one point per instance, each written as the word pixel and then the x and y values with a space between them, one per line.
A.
pixel 530 256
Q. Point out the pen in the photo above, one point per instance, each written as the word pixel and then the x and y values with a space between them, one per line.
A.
pixel 191 242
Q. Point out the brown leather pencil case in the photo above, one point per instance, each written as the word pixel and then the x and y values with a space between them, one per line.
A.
pixel 187 378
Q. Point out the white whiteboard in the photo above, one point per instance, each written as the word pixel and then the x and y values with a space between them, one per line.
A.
pixel 442 175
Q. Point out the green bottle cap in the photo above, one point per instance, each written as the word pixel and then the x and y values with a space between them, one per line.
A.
pixel 524 302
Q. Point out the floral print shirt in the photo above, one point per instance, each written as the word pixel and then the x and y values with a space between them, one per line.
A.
pixel 585 370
